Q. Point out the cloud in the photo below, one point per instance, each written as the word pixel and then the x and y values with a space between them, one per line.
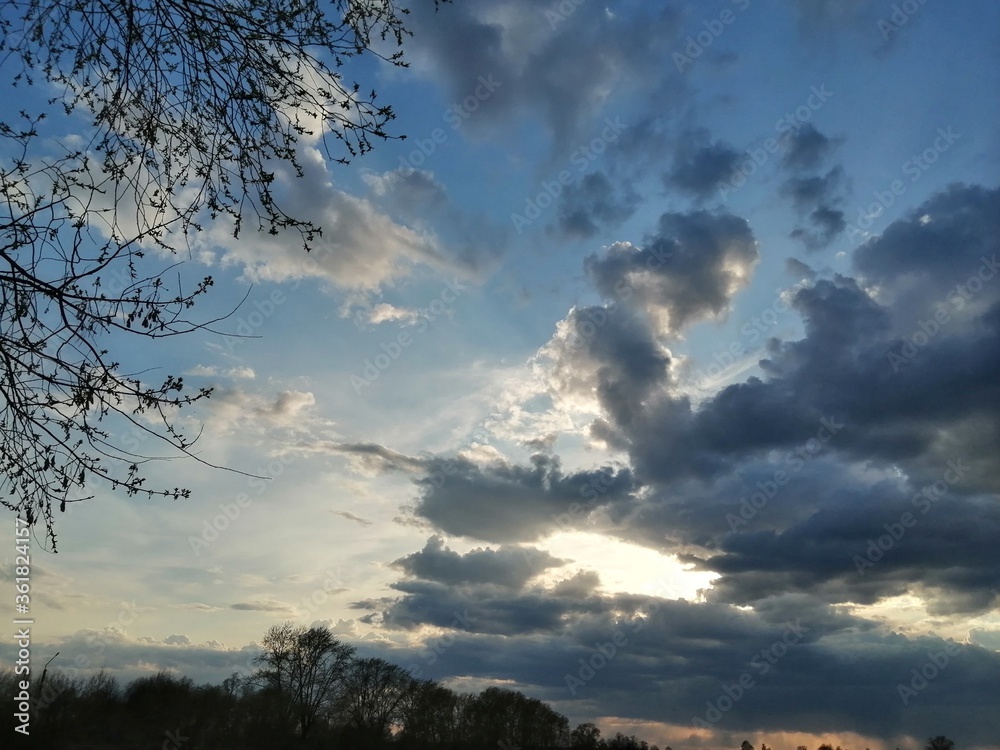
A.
pixel 667 660
pixel 858 403
pixel 699 164
pixel 602 357
pixel 361 248
pixel 265 605
pixel 827 223
pixel 235 373
pixel 386 313
pixel 287 416
pixel 128 657
pixel 688 270
pixel 593 203
pixel 352 517
pixel 370 459
pixel 504 502
pixel 927 259
pixel 473 242
pixel 511 567
pixel 807 192
pixel 807 148
pixel 562 74
pixel 799 269
pixel 817 197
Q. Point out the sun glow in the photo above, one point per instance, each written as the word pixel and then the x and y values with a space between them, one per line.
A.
pixel 623 567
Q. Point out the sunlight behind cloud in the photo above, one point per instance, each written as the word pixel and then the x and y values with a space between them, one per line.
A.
pixel 623 567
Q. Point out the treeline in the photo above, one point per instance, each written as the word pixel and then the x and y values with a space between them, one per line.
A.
pixel 309 691
pixel 173 713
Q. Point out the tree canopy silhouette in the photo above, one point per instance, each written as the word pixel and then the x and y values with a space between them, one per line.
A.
pixel 180 112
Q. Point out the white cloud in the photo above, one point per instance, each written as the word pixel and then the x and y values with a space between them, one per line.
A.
pixel 211 371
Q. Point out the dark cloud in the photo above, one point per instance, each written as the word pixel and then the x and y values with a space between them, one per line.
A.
pixel 607 352
pixel 938 246
pixel 863 544
pixel 813 668
pixel 827 223
pixel 817 198
pixel 808 192
pixel 504 502
pixel 352 517
pixel 699 164
pixel 591 204
pixel 863 463
pixel 86 652
pixel 507 566
pixel 378 458
pixel 857 395
pixel 798 269
pixel 807 148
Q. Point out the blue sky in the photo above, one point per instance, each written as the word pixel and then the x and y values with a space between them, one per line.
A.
pixel 497 439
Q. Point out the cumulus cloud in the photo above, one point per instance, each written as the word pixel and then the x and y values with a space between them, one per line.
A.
pixel 511 567
pixel 688 270
pixel 858 403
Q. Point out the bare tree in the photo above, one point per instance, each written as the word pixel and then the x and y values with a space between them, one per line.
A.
pixel 429 714
pixel 307 668
pixel 188 110
pixel 375 690
pixel 586 736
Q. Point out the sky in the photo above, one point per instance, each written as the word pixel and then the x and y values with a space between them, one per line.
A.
pixel 654 374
